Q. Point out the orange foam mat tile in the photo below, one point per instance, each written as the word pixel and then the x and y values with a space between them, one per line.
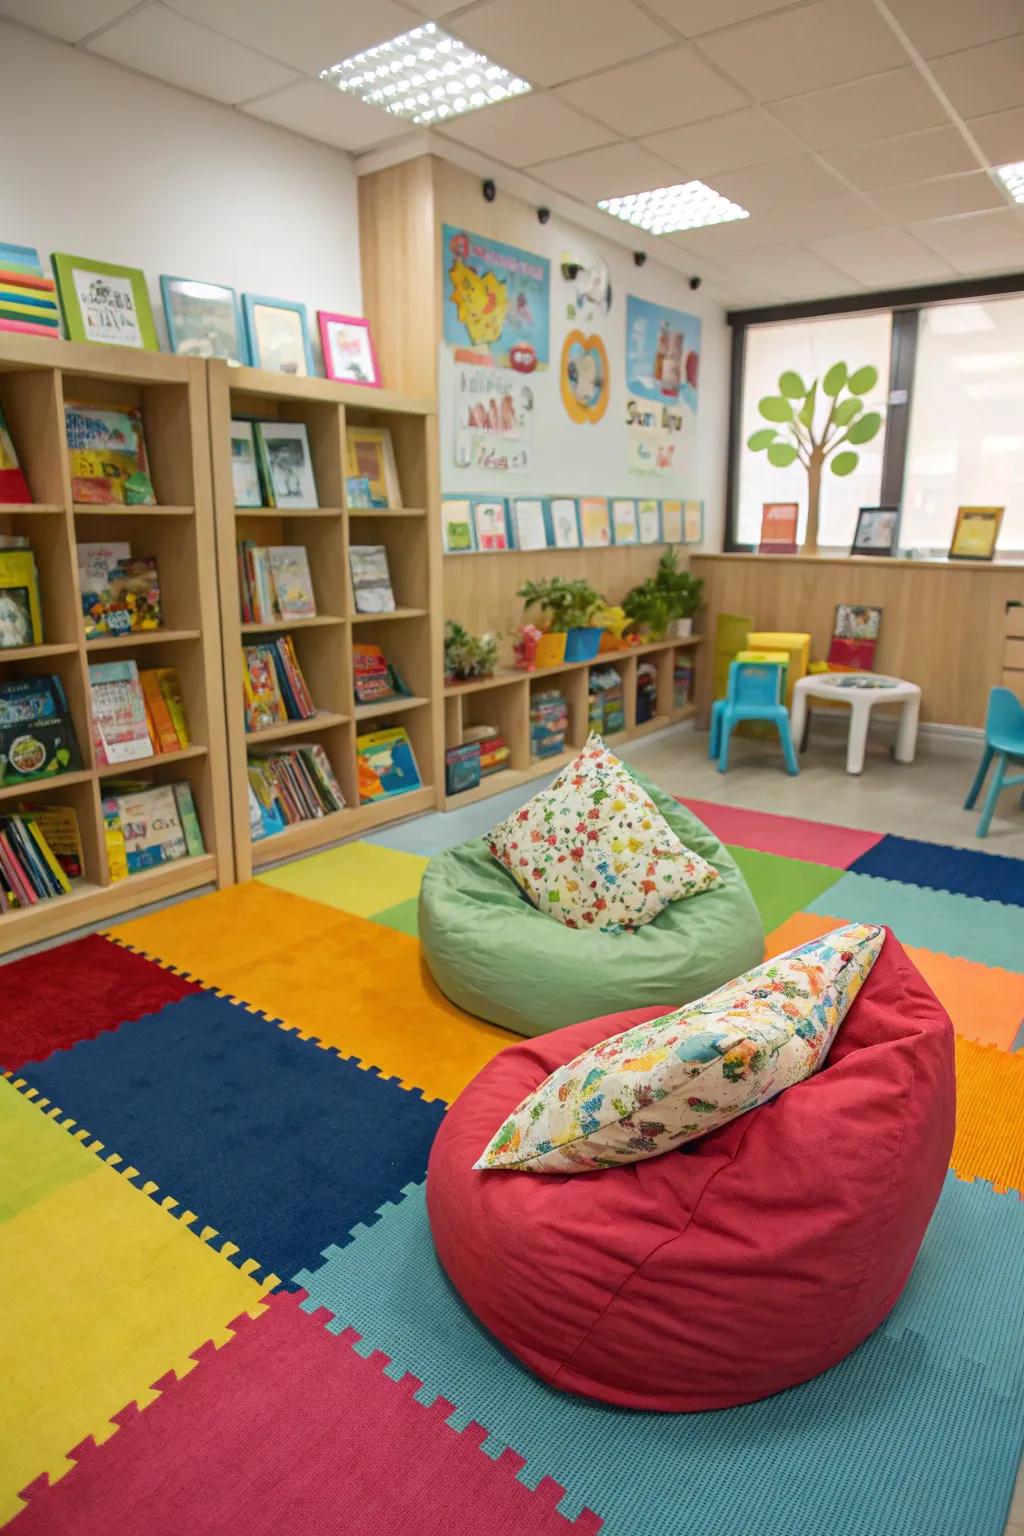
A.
pixel 352 984
pixel 989 1115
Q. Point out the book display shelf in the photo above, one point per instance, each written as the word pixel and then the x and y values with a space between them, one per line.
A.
pixel 504 701
pixel 410 635
pixel 37 378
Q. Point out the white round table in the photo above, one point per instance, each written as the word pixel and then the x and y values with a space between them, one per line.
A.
pixel 862 691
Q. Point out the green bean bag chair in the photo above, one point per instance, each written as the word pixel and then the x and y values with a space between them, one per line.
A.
pixel 493 954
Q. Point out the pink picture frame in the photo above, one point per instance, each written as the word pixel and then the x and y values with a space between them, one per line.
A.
pixel 350 356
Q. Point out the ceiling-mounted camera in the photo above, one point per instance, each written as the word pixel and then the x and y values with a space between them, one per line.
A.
pixel 571 270
pixel 543 214
pixel 695 283
pixel 639 257
pixel 489 190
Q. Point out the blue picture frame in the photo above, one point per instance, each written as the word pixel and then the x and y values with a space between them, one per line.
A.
pixel 288 353
pixel 176 336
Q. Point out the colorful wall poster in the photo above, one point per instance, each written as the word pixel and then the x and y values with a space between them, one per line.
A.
pixel 530 527
pixel 594 524
pixel 457 523
pixel 693 522
pixel 662 366
pixel 493 413
pixel 490 520
pixel 585 377
pixel 497 301
pixel 624 522
pixel 565 528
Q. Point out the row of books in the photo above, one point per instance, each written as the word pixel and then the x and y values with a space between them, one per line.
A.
pixel 21 614
pixel 146 825
pixel 271 466
pixel 120 594
pixel 40 854
pixel 136 714
pixel 288 785
pixel 274 582
pixel 274 686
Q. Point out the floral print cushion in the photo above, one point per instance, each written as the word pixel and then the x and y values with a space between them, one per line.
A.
pixel 659 1085
pixel 594 851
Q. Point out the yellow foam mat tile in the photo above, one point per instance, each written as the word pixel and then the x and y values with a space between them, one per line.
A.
pixel 989 1115
pixel 357 877
pixel 352 984
pixel 104 1292
pixel 32 1163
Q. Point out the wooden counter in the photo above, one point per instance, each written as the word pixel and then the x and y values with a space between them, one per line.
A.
pixel 942 621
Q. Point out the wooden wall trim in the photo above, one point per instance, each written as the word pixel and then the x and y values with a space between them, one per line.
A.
pixel 399 257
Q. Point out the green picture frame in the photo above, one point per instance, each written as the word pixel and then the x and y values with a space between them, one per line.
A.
pixel 105 303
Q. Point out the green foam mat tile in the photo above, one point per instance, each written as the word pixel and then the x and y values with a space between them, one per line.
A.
pixel 781 886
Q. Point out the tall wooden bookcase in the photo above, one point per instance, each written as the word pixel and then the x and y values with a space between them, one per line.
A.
pixel 411 637
pixel 37 377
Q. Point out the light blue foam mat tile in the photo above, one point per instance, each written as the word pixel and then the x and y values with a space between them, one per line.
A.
pixel 951 924
pixel 913 1435
pixel 444 829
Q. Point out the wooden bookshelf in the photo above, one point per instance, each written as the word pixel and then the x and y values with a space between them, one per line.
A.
pixel 411 637
pixel 37 376
pixel 504 701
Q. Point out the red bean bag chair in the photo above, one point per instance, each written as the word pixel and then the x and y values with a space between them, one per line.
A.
pixel 741 1264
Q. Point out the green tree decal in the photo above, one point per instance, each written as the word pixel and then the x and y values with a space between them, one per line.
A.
pixel 792 435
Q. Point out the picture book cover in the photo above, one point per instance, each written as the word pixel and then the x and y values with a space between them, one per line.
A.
pixel 161 726
pixel 386 764
pixel 108 456
pixel 264 705
pixel 457 519
pixel 594 522
pixel 649 522
pixel 565 526
pixel 370 455
pixel 21 617
pixel 779 521
pixel 13 485
pixel 151 826
pixel 245 474
pixel 371 580
pixel 120 727
pixel 624 522
pixel 293 583
pixel 59 826
pixel 189 819
pixel 37 738
pixel 490 521
pixel 286 463
pixel 531 529
pixel 129 602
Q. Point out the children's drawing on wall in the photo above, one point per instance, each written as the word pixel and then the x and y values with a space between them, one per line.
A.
pixel 497 302
pixel 592 297
pixel 585 377
pixel 662 367
pixel 493 419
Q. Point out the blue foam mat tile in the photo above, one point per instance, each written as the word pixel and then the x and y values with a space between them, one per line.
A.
pixel 961 871
pixel 907 1437
pixel 279 1145
pixel 966 926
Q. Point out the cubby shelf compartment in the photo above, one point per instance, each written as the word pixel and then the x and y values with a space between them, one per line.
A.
pixel 37 375
pixel 411 636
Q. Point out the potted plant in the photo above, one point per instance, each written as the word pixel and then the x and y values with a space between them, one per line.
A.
pixel 648 607
pixel 569 608
pixel 682 592
pixel 467 656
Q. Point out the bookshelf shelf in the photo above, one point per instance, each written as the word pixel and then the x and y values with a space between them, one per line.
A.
pixel 324 644
pixel 37 376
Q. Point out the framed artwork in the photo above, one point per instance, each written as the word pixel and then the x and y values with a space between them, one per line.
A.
pixel 278 336
pixel 975 533
pixel 370 455
pixel 104 302
pixel 349 353
pixel 457 523
pixel 778 528
pixel 203 319
pixel 877 531
pixel 565 528
pixel 490 520
pixel 285 463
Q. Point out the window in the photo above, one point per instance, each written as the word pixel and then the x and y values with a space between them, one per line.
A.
pixel 966 444
pixel 810 347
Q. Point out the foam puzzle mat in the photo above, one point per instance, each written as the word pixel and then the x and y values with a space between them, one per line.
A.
pixel 222 1308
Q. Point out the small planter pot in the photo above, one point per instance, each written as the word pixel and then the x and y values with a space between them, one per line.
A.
pixel 681 629
pixel 582 644
pixel 551 649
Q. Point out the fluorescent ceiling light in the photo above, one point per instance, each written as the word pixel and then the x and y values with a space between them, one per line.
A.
pixel 425 76
pixel 1012 178
pixel 687 205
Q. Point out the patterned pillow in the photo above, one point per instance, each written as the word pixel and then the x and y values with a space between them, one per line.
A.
pixel 661 1084
pixel 594 850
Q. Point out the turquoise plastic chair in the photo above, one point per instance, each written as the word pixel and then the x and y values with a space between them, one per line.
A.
pixel 755 693
pixel 1004 740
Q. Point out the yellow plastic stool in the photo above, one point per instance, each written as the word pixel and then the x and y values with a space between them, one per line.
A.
pixel 795 646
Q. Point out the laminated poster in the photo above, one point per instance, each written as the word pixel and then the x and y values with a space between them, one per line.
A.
pixel 493 415
pixel 496 301
pixel 662 368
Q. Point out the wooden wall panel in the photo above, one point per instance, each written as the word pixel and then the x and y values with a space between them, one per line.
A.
pixel 398 251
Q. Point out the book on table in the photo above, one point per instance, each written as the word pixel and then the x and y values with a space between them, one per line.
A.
pixel 37 736
pixel 120 726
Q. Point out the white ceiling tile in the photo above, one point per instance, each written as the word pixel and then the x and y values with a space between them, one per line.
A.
pixel 882 258
pixel 832 216
pixel 935 27
pixel 608 172
pixel 1000 135
pixel 826 43
pixel 526 129
pixel 664 89
pixel 692 17
pixel 547 41
pixel 986 79
pixel 322 112
pixel 947 236
pixel 433 10
pixel 763 188
pixel 937 199
pixel 70 20
pixel 908 157
pixel 159 43
pixel 720 241
pixel 896 102
pixel 311 35
pixel 735 294
pixel 1005 256
pixel 726 143
pixel 797 273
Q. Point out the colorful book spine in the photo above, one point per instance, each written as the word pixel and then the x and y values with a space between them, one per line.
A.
pixel 189 820
pixel 28 298
pixel 163 732
pixel 170 687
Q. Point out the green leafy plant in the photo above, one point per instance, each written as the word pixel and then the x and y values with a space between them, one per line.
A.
pixel 667 595
pixel 567 604
pixel 792 435
pixel 467 656
pixel 648 604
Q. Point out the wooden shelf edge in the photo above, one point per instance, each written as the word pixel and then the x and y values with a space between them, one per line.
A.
pixel 119 509
pixel 288 512
pixel 142 637
pixel 142 764
pixel 33 787
pixel 275 626
pixel 387 707
pixel 40 508
pixel 386 511
pixel 394 613
pixel 323 831
pixel 28 652
pixel 323 720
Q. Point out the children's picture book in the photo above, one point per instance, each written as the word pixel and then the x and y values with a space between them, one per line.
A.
pixel 374 679
pixel 295 695
pixel 151 827
pixel 371 580
pixel 37 737
pixel 245 473
pixel 290 784
pixel 103 302
pixel 264 705
pixel 649 522
pixel 370 455
pixel 119 724
pixel 624 522
pixel 21 616
pixel 672 522
pixel 14 489
pixel 565 526
pixel 28 297
pixel 457 521
pixel 490 520
pixel 189 820
pixel 285 464
pixel 128 602
pixel 108 456
pixel 96 560
pixel 29 870
pixel 168 728
pixel 778 528
pixel 386 764
pixel 531 529
pixel 59 826
pixel 594 524
pixel 293 584
pixel 358 493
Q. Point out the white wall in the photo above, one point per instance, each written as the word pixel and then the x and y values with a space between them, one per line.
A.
pixel 106 163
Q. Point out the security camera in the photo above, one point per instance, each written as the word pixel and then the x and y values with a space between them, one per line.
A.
pixel 571 270
pixel 695 283
pixel 490 191
pixel 543 214
pixel 639 257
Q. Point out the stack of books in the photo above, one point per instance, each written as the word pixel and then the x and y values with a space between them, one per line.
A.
pixel 549 722
pixel 275 689
pixel 40 854
pixel 136 715
pixel 607 707
pixel 146 825
pixel 462 769
pixel 28 298
pixel 288 785
pixel 21 615
pixel 682 684
pixel 37 737
pixel 274 583
pixel 374 678
pixel 495 751
pixel 120 594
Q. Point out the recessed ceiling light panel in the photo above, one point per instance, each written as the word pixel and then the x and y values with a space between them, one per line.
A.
pixel 425 76
pixel 1012 178
pixel 687 205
